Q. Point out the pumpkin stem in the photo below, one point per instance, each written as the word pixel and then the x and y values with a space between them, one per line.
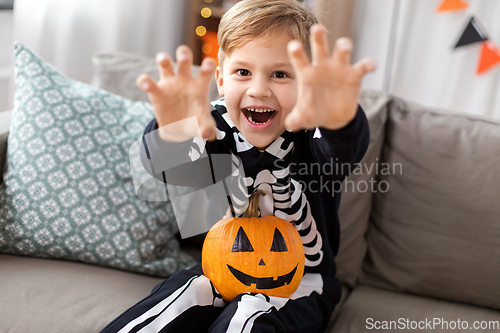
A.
pixel 253 204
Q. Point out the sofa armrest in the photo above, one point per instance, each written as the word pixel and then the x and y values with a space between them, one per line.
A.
pixel 5 118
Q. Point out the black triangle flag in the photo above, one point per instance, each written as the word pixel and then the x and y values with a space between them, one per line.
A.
pixel 473 33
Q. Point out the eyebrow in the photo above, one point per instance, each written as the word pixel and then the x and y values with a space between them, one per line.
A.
pixel 273 65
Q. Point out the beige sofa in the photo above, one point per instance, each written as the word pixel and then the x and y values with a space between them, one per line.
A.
pixel 420 243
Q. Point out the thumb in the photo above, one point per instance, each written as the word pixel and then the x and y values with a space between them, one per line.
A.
pixel 294 121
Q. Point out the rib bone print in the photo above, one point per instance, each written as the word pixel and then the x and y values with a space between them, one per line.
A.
pixel 288 202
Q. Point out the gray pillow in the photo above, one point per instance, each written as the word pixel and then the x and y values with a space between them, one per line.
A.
pixel 358 189
pixel 436 231
pixel 67 191
pixel 117 72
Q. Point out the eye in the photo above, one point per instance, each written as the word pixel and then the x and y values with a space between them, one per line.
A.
pixel 279 244
pixel 280 75
pixel 243 72
pixel 242 243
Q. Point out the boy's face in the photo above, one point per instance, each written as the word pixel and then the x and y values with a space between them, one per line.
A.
pixel 260 88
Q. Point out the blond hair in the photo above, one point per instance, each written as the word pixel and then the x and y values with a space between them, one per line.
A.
pixel 250 19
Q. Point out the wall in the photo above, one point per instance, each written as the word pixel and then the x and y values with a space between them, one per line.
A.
pixel 6 61
pixel 336 16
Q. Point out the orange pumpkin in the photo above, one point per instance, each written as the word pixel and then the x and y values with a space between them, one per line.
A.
pixel 251 254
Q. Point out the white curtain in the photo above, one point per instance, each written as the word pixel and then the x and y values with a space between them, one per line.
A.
pixel 67 32
pixel 413 46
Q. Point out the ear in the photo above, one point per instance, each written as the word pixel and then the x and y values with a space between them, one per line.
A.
pixel 220 81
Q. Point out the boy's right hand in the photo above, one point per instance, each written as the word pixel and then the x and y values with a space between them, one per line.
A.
pixel 180 96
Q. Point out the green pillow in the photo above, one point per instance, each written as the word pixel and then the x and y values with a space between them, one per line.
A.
pixel 68 192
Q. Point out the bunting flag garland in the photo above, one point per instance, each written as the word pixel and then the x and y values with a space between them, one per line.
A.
pixel 490 56
pixel 474 33
pixel 452 5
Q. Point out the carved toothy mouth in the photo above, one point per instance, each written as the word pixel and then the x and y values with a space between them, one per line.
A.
pixel 263 283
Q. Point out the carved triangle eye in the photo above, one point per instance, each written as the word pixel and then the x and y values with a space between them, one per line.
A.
pixel 279 244
pixel 241 242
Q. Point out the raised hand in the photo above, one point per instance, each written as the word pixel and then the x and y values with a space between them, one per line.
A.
pixel 180 96
pixel 328 88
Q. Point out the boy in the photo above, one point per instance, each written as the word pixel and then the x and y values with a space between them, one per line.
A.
pixel 280 111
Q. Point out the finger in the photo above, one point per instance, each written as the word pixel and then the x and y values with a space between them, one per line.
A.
pixel 342 50
pixel 207 125
pixel 297 54
pixel 292 121
pixel 165 65
pixel 207 70
pixel 319 43
pixel 146 83
pixel 184 60
pixel 297 120
pixel 364 66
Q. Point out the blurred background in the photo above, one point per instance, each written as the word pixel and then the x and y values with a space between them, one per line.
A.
pixel 415 43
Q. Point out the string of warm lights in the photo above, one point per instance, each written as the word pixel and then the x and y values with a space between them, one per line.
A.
pixel 209 38
pixel 205 12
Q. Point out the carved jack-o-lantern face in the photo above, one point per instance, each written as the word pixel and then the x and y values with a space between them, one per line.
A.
pixel 260 255
pixel 243 244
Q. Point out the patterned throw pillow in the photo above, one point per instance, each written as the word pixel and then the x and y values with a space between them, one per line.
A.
pixel 68 192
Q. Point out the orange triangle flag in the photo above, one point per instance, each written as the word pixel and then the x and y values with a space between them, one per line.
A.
pixel 452 5
pixel 490 56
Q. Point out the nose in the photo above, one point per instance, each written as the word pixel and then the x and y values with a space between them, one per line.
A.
pixel 259 87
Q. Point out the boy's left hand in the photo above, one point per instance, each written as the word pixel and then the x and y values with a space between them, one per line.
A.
pixel 328 88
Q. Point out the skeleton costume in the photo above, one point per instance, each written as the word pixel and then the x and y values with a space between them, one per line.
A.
pixel 301 173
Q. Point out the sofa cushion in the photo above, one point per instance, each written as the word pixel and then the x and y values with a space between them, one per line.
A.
pixel 370 309
pixel 68 191
pixel 118 71
pixel 435 230
pixel 40 295
pixel 358 189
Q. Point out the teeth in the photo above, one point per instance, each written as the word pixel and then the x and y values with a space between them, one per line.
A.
pixel 260 110
pixel 248 114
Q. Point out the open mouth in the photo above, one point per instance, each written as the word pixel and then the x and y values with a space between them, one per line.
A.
pixel 265 282
pixel 259 116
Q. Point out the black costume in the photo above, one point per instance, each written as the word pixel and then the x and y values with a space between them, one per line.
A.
pixel 301 172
